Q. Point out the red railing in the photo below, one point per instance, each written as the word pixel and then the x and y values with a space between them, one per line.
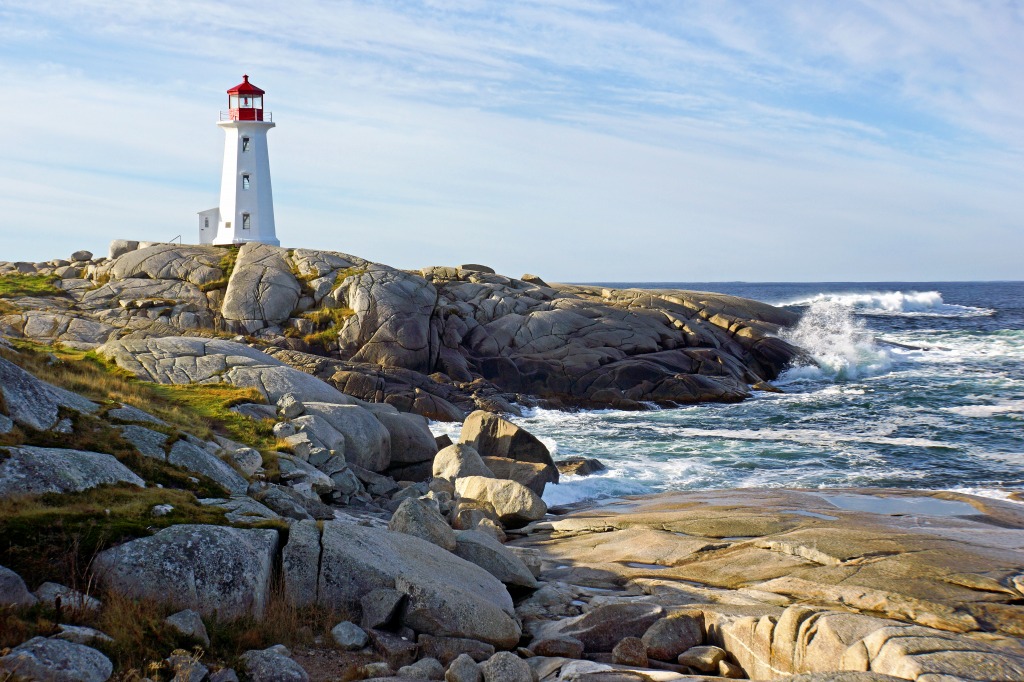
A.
pixel 232 115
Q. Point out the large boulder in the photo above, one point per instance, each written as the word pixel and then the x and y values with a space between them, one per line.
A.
pixel 206 568
pixel 458 461
pixel 513 502
pixel 367 442
pixel 34 470
pixel 492 556
pixel 392 321
pixel 56 660
pixel 262 290
pixel 446 595
pixel 494 436
pixel 34 403
pixel 411 439
pixel 13 591
pixel 196 264
pixel 421 519
pixel 534 476
pixel 198 460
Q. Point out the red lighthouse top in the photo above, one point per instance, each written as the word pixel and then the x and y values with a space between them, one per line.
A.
pixel 245 102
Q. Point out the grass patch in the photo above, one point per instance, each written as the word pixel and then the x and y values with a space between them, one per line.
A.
pixel 330 321
pixel 346 273
pixel 198 409
pixel 17 284
pixel 227 266
pixel 55 536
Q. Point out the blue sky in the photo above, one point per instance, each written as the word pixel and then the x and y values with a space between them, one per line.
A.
pixel 580 140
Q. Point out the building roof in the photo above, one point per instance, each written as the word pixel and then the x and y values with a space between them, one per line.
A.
pixel 245 88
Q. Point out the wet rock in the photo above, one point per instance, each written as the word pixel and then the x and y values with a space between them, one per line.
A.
pixel 56 660
pixel 206 568
pixel 579 466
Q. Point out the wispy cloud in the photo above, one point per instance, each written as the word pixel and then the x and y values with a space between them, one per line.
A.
pixel 780 127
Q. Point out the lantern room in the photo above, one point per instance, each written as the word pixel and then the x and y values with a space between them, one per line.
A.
pixel 245 102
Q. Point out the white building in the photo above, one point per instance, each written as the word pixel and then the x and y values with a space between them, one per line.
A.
pixel 246 210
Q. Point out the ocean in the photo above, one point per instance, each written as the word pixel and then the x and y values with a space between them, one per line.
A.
pixel 918 385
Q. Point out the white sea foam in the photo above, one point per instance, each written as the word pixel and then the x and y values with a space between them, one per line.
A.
pixel 838 342
pixel 1006 407
pixel 912 303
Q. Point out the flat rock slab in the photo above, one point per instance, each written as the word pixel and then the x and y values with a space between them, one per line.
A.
pixel 196 360
pixel 34 470
pixel 206 568
pixel 34 403
pixel 905 590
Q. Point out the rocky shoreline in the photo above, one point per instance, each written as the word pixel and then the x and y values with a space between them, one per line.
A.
pixel 217 464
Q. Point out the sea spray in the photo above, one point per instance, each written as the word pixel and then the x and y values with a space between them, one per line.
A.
pixel 838 342
pixel 907 303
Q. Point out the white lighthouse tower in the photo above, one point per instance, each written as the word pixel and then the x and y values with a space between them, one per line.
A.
pixel 246 211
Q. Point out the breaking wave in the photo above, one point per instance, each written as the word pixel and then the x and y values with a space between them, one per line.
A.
pixel 838 342
pixel 911 303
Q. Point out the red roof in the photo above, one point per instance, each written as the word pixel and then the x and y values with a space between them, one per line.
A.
pixel 245 88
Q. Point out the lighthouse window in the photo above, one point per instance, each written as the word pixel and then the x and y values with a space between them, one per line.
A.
pixel 206 223
pixel 245 181
pixel 245 221
pixel 245 144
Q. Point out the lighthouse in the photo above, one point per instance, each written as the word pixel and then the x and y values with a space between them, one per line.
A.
pixel 246 210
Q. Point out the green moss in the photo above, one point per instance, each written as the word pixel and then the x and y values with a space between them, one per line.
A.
pixel 16 285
